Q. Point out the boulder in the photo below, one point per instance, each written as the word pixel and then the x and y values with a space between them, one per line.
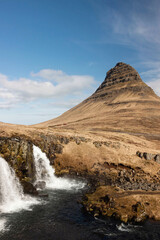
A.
pixel 29 188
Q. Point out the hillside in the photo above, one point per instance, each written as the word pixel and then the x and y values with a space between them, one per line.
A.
pixel 123 102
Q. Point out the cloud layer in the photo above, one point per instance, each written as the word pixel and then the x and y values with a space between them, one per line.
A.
pixel 130 22
pixel 152 76
pixel 45 84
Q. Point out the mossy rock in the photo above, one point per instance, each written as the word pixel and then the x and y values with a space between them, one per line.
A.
pixel 4 148
pixel 6 156
pixel 20 160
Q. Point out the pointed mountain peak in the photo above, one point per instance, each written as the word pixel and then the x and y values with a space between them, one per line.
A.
pixel 120 80
pixel 122 72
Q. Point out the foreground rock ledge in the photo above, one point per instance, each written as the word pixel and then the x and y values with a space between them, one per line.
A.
pixel 127 206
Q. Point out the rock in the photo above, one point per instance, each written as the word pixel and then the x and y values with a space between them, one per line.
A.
pixel 124 218
pixel 78 141
pixel 83 139
pixel 58 148
pixel 43 195
pixel 106 199
pixel 97 144
pixel 157 159
pixel 139 209
pixel 139 154
pixel 40 185
pixel 29 188
pixel 18 153
pixel 64 140
pixel 148 156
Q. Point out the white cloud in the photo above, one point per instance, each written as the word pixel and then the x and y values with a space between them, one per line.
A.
pixel 155 85
pixel 152 75
pixel 51 83
pixel 135 27
pixel 51 75
pixel 6 105
pixel 132 23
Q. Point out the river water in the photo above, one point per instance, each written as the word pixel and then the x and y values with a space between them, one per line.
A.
pixel 61 217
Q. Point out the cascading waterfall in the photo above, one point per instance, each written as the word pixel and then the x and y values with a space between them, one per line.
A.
pixel 45 172
pixel 12 197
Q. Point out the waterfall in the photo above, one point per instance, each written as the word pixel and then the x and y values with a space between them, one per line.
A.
pixel 11 189
pixel 2 224
pixel 45 172
pixel 12 197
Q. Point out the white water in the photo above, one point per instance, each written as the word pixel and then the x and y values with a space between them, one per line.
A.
pixel 127 227
pixel 45 172
pixel 11 193
pixel 2 224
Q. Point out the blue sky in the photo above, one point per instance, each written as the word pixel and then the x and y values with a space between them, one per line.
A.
pixel 55 53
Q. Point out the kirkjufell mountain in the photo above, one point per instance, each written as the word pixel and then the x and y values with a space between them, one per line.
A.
pixel 112 139
pixel 123 102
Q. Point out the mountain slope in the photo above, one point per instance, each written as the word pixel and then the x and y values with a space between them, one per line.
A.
pixel 123 102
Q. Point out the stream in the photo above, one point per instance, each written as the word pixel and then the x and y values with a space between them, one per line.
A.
pixel 57 215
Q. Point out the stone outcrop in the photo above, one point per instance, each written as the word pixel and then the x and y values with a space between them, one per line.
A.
pixel 18 153
pixel 135 206
pixel 149 156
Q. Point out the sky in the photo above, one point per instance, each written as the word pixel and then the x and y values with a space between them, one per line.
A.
pixel 55 53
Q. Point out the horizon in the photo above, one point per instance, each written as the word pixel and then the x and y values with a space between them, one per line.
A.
pixel 53 57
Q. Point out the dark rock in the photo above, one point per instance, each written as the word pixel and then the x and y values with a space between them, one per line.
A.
pixel 97 144
pixel 78 141
pixel 64 140
pixel 106 199
pixel 157 158
pixel 18 152
pixel 139 154
pixel 148 156
pixel 43 195
pixel 83 139
pixel 29 188
pixel 136 207
pixel 58 148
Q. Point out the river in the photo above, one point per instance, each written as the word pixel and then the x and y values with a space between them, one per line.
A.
pixel 61 217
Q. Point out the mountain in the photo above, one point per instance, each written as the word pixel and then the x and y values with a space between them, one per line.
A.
pixel 111 139
pixel 122 103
